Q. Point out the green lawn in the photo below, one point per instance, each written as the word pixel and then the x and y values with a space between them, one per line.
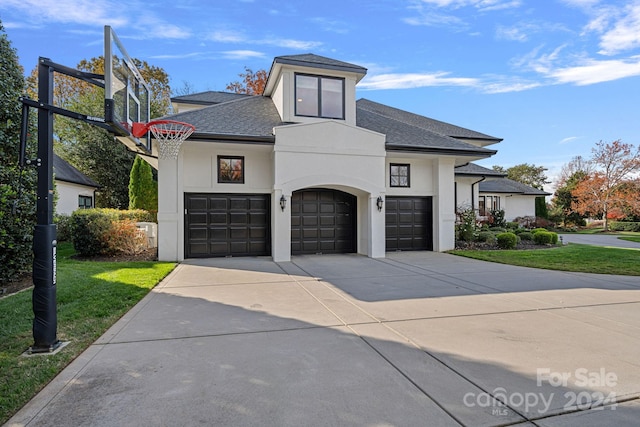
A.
pixel 91 297
pixel 630 238
pixel 573 257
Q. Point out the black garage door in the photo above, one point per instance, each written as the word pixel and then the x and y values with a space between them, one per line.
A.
pixel 323 221
pixel 409 223
pixel 227 225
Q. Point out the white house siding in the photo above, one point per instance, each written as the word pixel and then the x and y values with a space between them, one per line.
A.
pixel 68 194
pixel 332 155
pixel 517 206
pixel 195 171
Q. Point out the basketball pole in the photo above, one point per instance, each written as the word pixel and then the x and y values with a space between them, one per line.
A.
pixel 45 322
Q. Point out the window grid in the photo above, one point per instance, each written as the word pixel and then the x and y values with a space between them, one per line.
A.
pixel 399 175
pixel 319 96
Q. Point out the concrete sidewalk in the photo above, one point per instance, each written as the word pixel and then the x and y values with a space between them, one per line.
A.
pixel 416 339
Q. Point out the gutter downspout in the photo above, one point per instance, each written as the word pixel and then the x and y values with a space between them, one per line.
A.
pixel 473 198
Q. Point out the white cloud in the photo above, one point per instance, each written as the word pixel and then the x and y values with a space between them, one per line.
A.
pixel 414 80
pixel 568 140
pixel 225 36
pixel 625 34
pixel 88 12
pixel 592 71
pixel 242 54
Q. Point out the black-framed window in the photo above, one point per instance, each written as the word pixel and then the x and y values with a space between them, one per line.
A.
pixel 319 96
pixel 399 174
pixel 488 203
pixel 85 202
pixel 231 169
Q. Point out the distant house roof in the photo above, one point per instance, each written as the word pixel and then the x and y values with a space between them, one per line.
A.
pixel 208 98
pixel 506 185
pixel 65 172
pixel 471 169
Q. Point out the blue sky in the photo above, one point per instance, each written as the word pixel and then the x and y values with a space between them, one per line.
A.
pixel 550 77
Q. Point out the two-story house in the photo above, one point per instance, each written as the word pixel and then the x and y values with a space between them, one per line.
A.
pixel 306 169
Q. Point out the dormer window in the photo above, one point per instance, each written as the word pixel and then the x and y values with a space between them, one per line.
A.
pixel 319 96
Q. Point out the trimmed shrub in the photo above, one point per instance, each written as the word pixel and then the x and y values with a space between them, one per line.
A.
pixel 486 236
pixel 107 231
pixel 466 224
pixel 507 240
pixel 498 229
pixel 513 225
pixel 526 235
pixel 89 226
pixel 63 225
pixel 537 230
pixel 544 237
pixel 624 226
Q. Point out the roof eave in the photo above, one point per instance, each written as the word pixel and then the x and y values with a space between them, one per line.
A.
pixel 232 138
pixel 440 150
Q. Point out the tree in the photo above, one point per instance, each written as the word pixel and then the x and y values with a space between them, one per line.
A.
pixel 571 174
pixel 17 187
pixel 251 84
pixel 615 165
pixel 143 190
pixel 525 173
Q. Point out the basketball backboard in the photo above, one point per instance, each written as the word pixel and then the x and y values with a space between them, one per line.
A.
pixel 127 96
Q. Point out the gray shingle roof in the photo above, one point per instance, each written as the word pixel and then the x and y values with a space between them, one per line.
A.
pixel 317 61
pixel 506 185
pixel 423 122
pixel 251 118
pixel 471 169
pixel 65 172
pixel 408 131
pixel 208 98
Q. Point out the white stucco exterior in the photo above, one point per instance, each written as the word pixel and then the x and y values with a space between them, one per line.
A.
pixel 306 153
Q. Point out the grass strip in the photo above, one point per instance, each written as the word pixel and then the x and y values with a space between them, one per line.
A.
pixel 573 257
pixel 91 296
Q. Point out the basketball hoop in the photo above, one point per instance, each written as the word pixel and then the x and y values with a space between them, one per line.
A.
pixel 170 135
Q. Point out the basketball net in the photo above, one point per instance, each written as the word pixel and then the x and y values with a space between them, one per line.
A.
pixel 170 135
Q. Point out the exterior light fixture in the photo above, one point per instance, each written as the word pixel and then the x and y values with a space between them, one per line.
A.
pixel 283 202
pixel 379 203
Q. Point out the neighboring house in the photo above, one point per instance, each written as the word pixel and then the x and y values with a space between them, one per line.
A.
pixel 487 189
pixel 514 198
pixel 307 169
pixel 74 189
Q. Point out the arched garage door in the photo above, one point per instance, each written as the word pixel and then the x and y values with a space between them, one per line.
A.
pixel 323 221
pixel 409 223
pixel 227 225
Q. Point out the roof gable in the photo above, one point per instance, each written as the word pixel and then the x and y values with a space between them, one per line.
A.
pixel 317 61
pixel 471 169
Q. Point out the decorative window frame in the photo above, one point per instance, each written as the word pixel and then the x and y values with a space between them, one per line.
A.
pixel 391 175
pixel 230 169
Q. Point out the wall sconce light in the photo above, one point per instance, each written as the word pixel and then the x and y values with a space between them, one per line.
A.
pixel 283 202
pixel 379 203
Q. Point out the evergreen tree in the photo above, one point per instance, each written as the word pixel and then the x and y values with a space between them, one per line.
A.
pixel 17 187
pixel 143 190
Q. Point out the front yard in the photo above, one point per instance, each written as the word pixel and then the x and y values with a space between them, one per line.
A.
pixel 573 257
pixel 91 297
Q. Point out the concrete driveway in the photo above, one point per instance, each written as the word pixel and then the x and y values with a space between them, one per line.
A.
pixel 599 240
pixel 416 339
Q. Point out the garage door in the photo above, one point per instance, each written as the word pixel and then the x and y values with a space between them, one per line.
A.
pixel 323 221
pixel 227 225
pixel 409 223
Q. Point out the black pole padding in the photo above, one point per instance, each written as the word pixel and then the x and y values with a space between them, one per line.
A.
pixel 45 322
